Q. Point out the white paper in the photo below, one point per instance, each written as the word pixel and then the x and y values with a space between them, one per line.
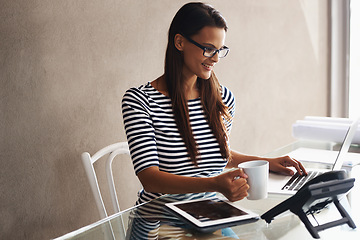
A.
pixel 324 129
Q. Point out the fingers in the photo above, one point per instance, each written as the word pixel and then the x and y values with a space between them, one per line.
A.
pixel 302 167
pixel 235 186
pixel 299 167
pixel 286 171
pixel 239 190
pixel 296 164
pixel 238 173
pixel 242 173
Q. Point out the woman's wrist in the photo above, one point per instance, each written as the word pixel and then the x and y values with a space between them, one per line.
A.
pixel 212 184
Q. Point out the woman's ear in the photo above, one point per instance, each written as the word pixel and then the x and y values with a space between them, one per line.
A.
pixel 179 42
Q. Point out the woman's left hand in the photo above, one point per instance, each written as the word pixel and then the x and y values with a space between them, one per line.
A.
pixel 281 164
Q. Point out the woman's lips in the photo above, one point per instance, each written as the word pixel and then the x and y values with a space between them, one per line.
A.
pixel 207 66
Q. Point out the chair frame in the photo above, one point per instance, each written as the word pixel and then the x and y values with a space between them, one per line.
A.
pixel 88 161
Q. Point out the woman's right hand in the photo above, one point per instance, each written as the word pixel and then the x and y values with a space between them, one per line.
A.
pixel 233 184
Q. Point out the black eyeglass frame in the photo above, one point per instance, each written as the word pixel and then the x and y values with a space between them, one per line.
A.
pixel 225 48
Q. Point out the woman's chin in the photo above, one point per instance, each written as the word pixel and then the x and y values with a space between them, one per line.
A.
pixel 205 76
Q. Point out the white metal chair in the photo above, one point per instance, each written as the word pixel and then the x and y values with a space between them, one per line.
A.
pixel 112 151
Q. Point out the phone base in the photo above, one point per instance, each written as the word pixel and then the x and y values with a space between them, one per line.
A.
pixel 312 198
pixel 313 230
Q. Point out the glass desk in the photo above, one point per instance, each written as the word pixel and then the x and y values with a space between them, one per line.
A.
pixel 153 222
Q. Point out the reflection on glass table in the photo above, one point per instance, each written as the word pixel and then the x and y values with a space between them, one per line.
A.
pixel 153 221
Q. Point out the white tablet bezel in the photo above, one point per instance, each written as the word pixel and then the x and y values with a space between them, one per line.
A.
pixel 249 214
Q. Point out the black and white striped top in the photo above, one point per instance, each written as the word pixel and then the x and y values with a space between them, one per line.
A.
pixel 154 139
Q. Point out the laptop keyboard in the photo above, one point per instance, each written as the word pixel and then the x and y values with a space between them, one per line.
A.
pixel 297 180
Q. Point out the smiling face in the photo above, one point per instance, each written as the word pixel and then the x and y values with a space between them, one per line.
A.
pixel 195 63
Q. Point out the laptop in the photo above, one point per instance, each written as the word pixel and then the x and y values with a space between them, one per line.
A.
pixel 291 184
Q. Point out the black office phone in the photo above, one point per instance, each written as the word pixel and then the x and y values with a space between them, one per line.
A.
pixel 314 196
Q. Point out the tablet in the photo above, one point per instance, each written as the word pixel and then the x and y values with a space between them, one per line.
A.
pixel 211 214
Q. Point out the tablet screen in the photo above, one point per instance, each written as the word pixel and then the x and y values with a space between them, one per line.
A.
pixel 211 212
pixel 207 210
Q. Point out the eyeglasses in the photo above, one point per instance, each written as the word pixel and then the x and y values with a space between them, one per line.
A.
pixel 208 51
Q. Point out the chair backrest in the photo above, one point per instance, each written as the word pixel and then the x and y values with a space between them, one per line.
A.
pixel 112 151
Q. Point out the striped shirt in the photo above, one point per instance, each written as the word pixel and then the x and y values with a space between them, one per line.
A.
pixel 154 139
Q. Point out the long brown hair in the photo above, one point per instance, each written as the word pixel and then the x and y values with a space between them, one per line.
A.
pixel 189 20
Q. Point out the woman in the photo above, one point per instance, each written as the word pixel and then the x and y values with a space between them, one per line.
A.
pixel 178 125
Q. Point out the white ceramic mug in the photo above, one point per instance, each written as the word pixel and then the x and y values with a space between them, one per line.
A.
pixel 258 176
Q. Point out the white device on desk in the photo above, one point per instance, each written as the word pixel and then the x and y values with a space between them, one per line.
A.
pixel 208 215
pixel 291 184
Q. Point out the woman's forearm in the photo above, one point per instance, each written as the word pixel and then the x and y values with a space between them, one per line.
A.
pixel 154 180
pixel 238 158
pixel 231 184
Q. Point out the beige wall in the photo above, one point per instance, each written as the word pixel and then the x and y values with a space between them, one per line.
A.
pixel 64 66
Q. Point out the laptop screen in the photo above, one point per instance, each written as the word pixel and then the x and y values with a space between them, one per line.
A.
pixel 346 144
